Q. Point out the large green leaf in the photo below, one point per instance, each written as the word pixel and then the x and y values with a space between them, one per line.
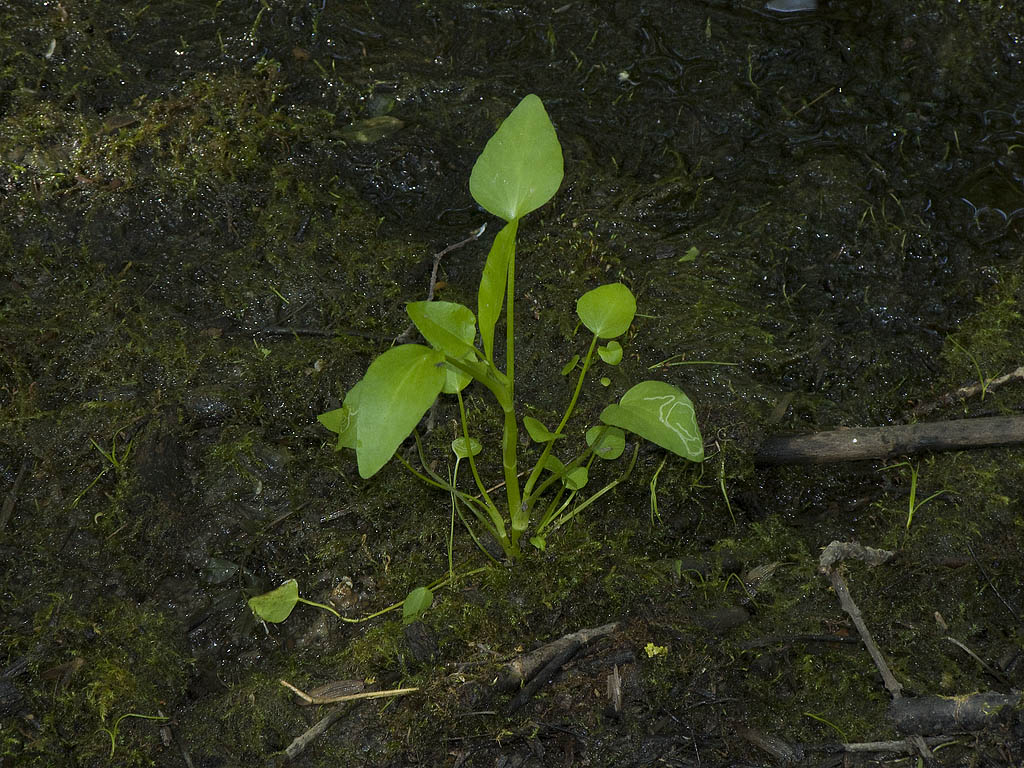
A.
pixel 396 391
pixel 491 295
pixel 661 413
pixel 520 169
pixel 448 327
pixel 608 310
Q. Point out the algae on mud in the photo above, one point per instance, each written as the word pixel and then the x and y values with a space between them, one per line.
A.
pixel 140 260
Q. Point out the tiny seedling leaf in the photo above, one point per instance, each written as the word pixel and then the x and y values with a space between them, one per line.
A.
pixel 416 603
pixel 520 168
pixel 398 388
pixel 539 542
pixel 606 442
pixel 538 431
pixel 464 450
pixel 611 352
pixel 661 413
pixel 570 365
pixel 607 310
pixel 276 605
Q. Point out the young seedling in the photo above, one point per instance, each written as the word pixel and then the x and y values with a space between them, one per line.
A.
pixel 519 170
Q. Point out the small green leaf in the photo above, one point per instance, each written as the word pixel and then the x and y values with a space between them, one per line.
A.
pixel 521 168
pixel 275 606
pixel 416 603
pixel 448 327
pixel 398 388
pixel 463 450
pixel 605 381
pixel 538 431
pixel 576 479
pixel 606 442
pixel 570 365
pixel 539 542
pixel 607 310
pixel 491 294
pixel 661 413
pixel 455 379
pixel 340 421
pixel 554 465
pixel 691 254
pixel 611 352
pixel 343 420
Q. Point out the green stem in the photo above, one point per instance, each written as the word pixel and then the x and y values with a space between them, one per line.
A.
pixel 539 466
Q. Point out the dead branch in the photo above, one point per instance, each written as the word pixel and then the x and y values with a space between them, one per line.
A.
pixel 937 714
pixel 523 668
pixel 831 557
pixel 860 443
pixel 966 392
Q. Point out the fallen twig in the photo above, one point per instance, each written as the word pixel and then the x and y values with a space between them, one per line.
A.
pixel 320 727
pixel 523 668
pixel 859 443
pixel 936 714
pixel 308 699
pixel 407 334
pixel 831 557
pixel 970 391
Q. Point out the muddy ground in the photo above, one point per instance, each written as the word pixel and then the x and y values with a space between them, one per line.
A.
pixel 211 217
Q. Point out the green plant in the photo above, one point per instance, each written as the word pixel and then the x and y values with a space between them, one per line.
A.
pixel 913 504
pixel 519 170
pixel 112 732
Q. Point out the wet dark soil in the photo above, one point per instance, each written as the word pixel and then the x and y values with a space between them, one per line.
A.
pixel 211 217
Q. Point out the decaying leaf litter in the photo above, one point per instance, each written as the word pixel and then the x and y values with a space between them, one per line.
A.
pixel 182 187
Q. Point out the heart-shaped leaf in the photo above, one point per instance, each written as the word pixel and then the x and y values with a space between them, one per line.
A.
pixel 416 603
pixel 607 310
pixel 611 352
pixel 464 450
pixel 661 413
pixel 521 168
pixel 276 605
pixel 396 391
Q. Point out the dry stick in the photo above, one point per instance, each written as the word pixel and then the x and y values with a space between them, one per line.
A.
pixel 524 667
pixel 345 697
pixel 892 746
pixel 320 727
pixel 834 554
pixel 546 673
pixel 965 392
pixel 301 742
pixel 408 332
pixel 886 442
